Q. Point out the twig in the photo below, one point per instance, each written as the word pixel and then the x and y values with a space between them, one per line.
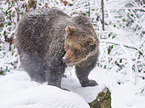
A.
pixel 125 45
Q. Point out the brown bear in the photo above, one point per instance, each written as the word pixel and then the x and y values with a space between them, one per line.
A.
pixel 48 40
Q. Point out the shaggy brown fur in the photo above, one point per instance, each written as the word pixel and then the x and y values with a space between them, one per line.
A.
pixel 48 40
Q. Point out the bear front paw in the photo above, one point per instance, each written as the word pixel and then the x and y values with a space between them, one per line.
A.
pixel 89 83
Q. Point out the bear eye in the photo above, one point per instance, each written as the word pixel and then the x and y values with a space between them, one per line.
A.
pixel 76 51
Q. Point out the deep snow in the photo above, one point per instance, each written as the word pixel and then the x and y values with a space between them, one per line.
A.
pixel 18 91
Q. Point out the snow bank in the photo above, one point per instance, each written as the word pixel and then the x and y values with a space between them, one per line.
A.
pixel 17 91
pixel 125 95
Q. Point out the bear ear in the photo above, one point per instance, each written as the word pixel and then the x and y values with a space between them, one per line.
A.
pixel 91 40
pixel 69 30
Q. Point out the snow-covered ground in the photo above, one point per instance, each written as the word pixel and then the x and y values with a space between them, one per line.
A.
pixel 18 91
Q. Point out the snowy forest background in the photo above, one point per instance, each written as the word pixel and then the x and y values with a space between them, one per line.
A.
pixel 122 36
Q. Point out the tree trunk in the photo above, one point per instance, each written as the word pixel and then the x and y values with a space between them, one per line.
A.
pixel 103 100
pixel 102 5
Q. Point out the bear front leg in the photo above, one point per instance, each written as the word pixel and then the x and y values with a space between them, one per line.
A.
pixel 83 69
pixel 55 67
pixel 54 74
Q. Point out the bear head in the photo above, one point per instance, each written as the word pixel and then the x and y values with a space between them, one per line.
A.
pixel 78 46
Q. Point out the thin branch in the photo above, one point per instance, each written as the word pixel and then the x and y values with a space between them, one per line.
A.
pixel 125 45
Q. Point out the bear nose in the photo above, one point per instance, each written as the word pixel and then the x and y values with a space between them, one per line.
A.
pixel 65 59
